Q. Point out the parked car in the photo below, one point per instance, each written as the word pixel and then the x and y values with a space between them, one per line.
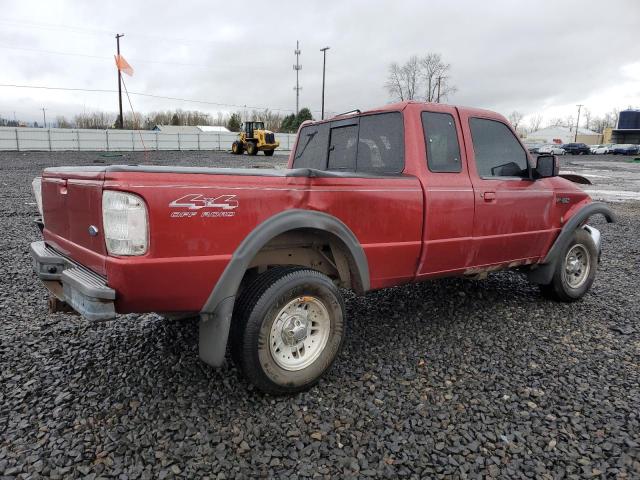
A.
pixel 534 148
pixel 600 149
pixel 552 149
pixel 401 194
pixel 625 149
pixel 576 148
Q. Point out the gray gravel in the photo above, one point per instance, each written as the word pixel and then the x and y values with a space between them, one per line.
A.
pixel 450 378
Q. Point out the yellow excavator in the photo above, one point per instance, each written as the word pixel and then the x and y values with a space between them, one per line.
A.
pixel 254 138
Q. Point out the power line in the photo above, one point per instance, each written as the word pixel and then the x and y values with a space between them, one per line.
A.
pixel 98 31
pixel 149 95
pixel 100 57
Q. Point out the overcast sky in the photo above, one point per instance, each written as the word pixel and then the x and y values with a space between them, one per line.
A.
pixel 537 57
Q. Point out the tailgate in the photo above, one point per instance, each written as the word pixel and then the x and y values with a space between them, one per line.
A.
pixel 72 203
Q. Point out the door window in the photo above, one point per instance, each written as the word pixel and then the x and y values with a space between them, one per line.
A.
pixel 441 140
pixel 498 153
pixel 342 148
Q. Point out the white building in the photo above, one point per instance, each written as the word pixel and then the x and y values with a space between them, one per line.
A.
pixel 560 135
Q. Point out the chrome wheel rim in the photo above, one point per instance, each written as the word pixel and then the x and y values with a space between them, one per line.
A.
pixel 577 264
pixel 299 333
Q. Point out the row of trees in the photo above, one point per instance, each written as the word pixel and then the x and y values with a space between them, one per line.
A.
pixel 273 121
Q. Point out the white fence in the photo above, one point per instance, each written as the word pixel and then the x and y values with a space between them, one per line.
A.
pixel 65 139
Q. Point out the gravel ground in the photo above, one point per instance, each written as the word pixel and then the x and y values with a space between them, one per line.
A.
pixel 451 378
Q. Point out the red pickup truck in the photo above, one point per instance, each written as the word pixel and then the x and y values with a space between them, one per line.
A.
pixel 405 193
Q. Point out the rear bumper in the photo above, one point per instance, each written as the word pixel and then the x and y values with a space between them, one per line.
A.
pixel 84 290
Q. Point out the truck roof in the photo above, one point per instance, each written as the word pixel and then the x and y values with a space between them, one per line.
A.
pixel 400 106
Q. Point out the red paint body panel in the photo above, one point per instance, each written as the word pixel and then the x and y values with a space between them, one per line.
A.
pixel 411 227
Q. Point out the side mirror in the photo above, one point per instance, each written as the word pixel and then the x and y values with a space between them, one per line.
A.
pixel 547 166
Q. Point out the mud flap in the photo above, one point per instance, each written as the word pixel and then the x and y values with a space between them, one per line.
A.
pixel 214 333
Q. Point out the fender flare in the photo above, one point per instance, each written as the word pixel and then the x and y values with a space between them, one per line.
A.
pixel 215 316
pixel 544 273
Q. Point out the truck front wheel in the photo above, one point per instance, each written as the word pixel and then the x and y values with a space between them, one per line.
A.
pixel 575 270
pixel 252 148
pixel 288 328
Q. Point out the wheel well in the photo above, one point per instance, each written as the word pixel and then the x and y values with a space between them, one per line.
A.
pixel 312 248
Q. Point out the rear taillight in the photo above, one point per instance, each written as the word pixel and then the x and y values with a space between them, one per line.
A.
pixel 36 186
pixel 125 223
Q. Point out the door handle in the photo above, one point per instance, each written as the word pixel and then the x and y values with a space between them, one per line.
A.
pixel 489 196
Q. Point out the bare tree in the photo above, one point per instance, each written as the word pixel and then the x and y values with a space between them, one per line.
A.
pixel 96 120
pixel 534 122
pixel 612 118
pixel 420 78
pixel 436 77
pixel 586 113
pixel 569 121
pixel 555 122
pixel 403 80
pixel 62 122
pixel 272 121
pixel 515 118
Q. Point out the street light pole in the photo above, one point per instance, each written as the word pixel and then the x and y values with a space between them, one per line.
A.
pixel 120 119
pixel 324 66
pixel 575 138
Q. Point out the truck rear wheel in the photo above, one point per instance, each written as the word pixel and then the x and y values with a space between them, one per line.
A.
pixel 236 148
pixel 575 270
pixel 252 148
pixel 268 153
pixel 288 328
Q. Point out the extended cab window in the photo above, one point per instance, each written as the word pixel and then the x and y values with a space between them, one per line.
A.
pixel 498 153
pixel 311 151
pixel 342 148
pixel 381 143
pixel 441 140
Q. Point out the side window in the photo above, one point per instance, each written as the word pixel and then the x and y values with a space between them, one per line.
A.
pixel 311 151
pixel 342 148
pixel 381 143
pixel 441 140
pixel 498 153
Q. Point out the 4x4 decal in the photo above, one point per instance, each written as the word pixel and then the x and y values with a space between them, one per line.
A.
pixel 220 206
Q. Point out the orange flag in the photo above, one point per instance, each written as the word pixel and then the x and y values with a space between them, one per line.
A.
pixel 122 65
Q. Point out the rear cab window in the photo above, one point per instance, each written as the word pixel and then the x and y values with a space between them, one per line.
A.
pixel 498 153
pixel 371 144
pixel 441 141
pixel 311 151
pixel 343 148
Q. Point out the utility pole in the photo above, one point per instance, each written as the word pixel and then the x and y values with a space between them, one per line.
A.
pixel 297 67
pixel 324 66
pixel 44 117
pixel 575 138
pixel 120 119
pixel 439 80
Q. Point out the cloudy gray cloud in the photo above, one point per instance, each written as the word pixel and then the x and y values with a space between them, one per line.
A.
pixel 535 57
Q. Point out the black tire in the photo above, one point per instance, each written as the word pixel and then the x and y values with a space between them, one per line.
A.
pixel 237 148
pixel 257 309
pixel 269 153
pixel 252 148
pixel 560 287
